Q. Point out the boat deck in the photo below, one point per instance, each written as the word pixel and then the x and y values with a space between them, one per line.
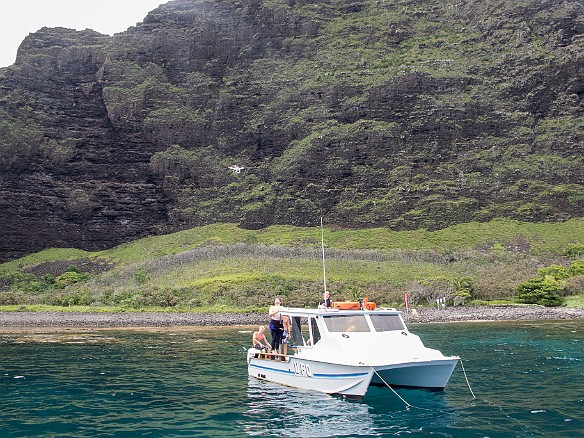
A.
pixel 272 356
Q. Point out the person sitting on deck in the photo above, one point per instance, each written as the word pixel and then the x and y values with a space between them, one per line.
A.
pixel 259 337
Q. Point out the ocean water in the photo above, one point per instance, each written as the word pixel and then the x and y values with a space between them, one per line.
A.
pixel 528 379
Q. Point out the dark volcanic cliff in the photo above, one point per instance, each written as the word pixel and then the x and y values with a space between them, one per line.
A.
pixel 398 113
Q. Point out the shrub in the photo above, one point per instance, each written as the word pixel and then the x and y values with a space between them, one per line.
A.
pixel 68 278
pixel 455 290
pixel 159 297
pixel 48 280
pixel 141 276
pixel 430 290
pixel 574 250
pixel 499 279
pixel 574 285
pixel 543 291
pixel 556 271
pixel 463 289
pixel 10 298
pixel 118 297
pixel 79 298
pixel 576 268
pixel 20 281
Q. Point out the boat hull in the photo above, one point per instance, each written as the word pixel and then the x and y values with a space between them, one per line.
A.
pixel 343 380
pixel 432 375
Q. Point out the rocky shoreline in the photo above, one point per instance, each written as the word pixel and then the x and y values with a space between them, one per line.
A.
pixel 24 320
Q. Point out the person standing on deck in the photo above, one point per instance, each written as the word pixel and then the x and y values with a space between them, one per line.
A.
pixel 286 333
pixel 327 303
pixel 276 328
pixel 327 300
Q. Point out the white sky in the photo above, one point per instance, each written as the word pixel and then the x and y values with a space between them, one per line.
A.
pixel 18 18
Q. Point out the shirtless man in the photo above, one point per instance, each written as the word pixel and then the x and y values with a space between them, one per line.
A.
pixel 276 328
pixel 259 337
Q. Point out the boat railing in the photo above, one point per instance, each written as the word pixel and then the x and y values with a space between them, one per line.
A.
pixel 273 356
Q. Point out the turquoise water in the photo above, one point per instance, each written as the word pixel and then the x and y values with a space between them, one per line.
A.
pixel 528 379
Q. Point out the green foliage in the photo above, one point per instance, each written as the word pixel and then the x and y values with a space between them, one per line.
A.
pixel 75 298
pixel 556 271
pixel 576 268
pixel 71 276
pixel 544 291
pixel 68 278
pixel 11 298
pixel 497 247
pixel 141 276
pixel 552 283
pixel 463 287
pixel 49 279
pixel 46 255
pixel 17 280
pixel 25 285
pixel 144 297
pixel 225 265
pixel 355 294
pixel 574 250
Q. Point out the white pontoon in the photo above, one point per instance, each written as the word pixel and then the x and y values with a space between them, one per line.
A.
pixel 342 352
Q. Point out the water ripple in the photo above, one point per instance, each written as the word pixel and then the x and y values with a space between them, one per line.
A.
pixel 195 384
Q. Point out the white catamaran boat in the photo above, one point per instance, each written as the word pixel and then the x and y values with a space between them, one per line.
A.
pixel 342 352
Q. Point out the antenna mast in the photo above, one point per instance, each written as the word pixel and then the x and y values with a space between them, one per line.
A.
pixel 323 264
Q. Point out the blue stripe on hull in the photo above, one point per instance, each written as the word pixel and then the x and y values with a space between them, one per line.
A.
pixel 272 369
pixel 322 375
pixel 334 376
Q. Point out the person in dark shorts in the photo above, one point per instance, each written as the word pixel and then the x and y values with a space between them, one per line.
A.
pixel 276 328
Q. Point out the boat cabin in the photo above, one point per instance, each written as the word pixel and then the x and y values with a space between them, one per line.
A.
pixel 306 331
pixel 356 329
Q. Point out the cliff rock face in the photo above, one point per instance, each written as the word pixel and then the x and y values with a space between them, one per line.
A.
pixel 397 113
pixel 67 177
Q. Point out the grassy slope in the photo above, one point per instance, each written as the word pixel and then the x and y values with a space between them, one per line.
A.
pixel 224 265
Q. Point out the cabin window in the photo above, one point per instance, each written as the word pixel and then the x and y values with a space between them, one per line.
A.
pixel 346 323
pixel 301 331
pixel 297 338
pixel 387 323
pixel 315 331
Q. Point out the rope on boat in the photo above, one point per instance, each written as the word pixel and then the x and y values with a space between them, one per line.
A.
pixel 464 372
pixel 408 406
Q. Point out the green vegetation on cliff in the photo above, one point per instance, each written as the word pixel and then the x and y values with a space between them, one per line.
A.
pixel 401 114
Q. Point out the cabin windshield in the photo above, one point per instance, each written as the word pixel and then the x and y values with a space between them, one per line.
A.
pixel 387 323
pixel 346 323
